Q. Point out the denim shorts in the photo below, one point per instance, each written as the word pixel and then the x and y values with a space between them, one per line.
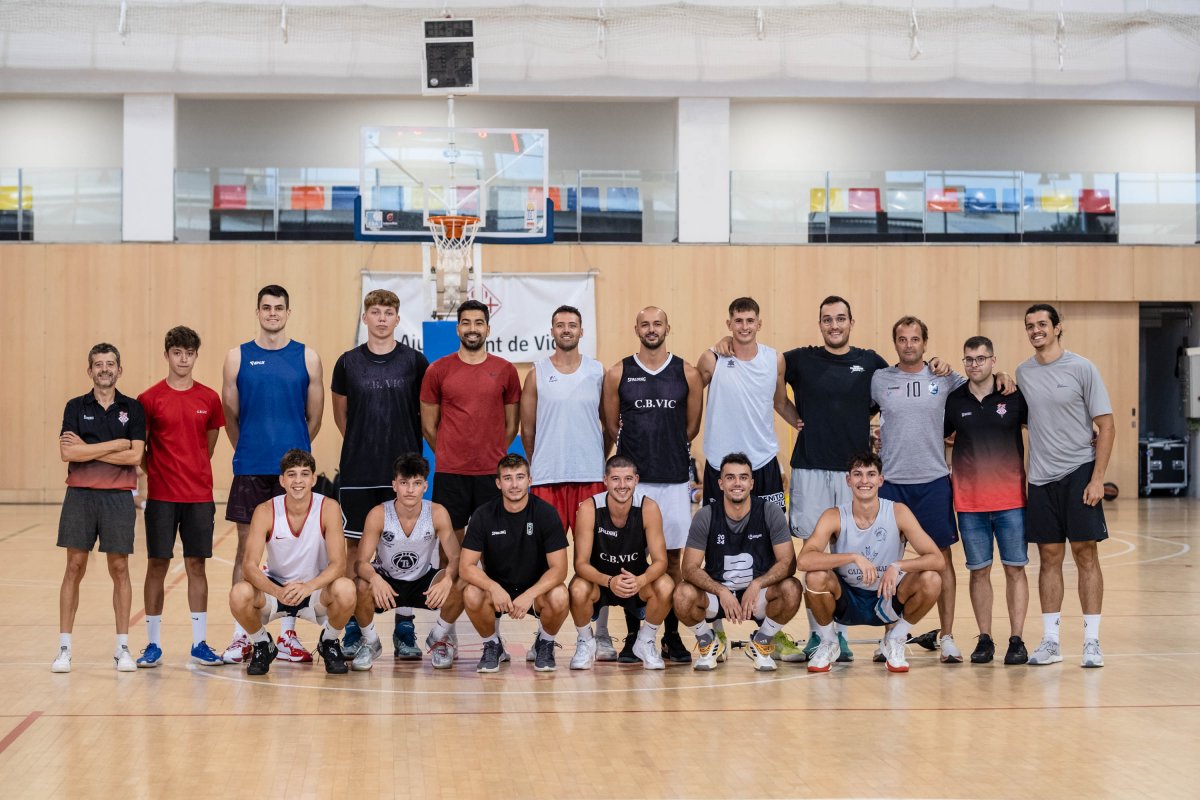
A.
pixel 1007 528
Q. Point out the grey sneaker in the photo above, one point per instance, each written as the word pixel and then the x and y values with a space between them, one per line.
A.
pixel 1046 653
pixel 493 656
pixel 531 651
pixel 544 659
pixel 365 654
pixel 604 648
pixel 950 652
pixel 442 652
pixel 1092 657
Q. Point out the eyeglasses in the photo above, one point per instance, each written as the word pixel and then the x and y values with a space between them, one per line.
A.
pixel 978 361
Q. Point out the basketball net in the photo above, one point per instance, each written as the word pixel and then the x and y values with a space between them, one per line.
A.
pixel 454 267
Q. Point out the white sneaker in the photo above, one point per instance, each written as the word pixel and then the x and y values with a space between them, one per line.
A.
pixel 709 654
pixel 760 654
pixel 63 662
pixel 1092 657
pixel 124 660
pixel 1047 652
pixel 893 654
pixel 950 652
pixel 648 652
pixel 585 654
pixel 823 657
pixel 442 652
pixel 366 654
pixel 531 653
pixel 240 650
pixel 292 649
pixel 604 648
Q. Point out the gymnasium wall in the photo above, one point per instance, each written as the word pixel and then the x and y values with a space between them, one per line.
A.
pixel 73 133
pixel 58 300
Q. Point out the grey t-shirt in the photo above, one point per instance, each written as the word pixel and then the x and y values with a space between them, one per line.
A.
pixel 777 524
pixel 912 406
pixel 1064 397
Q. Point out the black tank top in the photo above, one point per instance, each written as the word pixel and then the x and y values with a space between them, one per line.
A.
pixel 613 548
pixel 735 559
pixel 654 420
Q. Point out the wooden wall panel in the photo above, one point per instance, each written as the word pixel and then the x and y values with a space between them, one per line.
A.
pixel 940 285
pixel 1095 273
pixel 28 313
pixel 1011 273
pixel 1166 274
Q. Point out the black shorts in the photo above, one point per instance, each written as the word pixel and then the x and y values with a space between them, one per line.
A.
pixel 194 521
pixel 462 494
pixel 247 492
pixel 768 483
pixel 513 591
pixel 607 598
pixel 716 611
pixel 1055 512
pixel 90 514
pixel 409 594
pixel 357 502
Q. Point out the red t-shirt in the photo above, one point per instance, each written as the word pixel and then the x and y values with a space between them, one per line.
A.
pixel 470 436
pixel 178 469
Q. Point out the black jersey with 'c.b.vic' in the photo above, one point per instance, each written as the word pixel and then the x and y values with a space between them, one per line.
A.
pixel 619 548
pixel 654 420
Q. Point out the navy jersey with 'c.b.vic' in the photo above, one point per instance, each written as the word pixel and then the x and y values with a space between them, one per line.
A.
pixel 654 420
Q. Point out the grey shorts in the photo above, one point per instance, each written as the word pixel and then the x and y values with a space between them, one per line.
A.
pixel 811 492
pixel 90 514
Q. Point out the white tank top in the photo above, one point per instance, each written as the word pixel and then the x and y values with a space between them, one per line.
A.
pixel 296 555
pixel 406 556
pixel 741 409
pixel 569 443
pixel 879 542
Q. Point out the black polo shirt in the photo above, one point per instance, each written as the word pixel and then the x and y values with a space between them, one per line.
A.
pixel 988 462
pixel 124 419
pixel 514 546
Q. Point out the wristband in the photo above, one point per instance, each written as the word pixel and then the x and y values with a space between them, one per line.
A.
pixel 610 582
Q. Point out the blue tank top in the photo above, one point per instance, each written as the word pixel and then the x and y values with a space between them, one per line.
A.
pixel 272 394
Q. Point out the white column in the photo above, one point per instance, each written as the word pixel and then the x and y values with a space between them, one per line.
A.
pixel 702 150
pixel 148 169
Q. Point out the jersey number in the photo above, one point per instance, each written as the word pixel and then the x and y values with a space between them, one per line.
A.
pixel 739 570
pixel 913 389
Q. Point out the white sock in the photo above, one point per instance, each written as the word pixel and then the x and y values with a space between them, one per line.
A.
pixel 153 628
pixel 238 630
pixel 826 633
pixel 122 641
pixel 64 640
pixel 288 625
pixel 768 629
pixel 495 637
pixel 900 631
pixel 648 632
pixel 813 627
pixel 543 636
pixel 840 628
pixel 199 626
pixel 585 633
pixel 260 635
pixel 369 633
pixel 330 632
pixel 1050 625
pixel 602 621
pixel 441 629
pixel 1091 626
pixel 405 611
pixel 702 629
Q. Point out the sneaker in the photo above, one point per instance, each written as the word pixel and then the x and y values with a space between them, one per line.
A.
pixel 604 648
pixel 531 651
pixel 810 647
pixel 824 656
pixel 263 653
pixel 151 657
pixel 442 652
pixel 788 651
pixel 1046 653
pixel 1092 657
pixel 950 652
pixel 291 649
pixel 1017 654
pixel 404 641
pixel 63 662
pixel 365 654
pixel 723 652
pixel 628 655
pixel 710 653
pixel 124 660
pixel 760 654
pixel 544 661
pixel 648 652
pixel 878 657
pixel 239 650
pixel 674 651
pixel 493 656
pixel 985 650
pixel 203 654
pixel 893 653
pixel 331 653
pixel 927 640
pixel 845 654
pixel 585 654
pixel 352 639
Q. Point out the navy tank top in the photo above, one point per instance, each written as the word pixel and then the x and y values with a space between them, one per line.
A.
pixel 654 420
pixel 272 394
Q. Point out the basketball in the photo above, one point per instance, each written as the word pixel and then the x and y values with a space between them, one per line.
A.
pixel 1111 491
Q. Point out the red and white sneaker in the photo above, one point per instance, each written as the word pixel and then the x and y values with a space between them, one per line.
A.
pixel 291 649
pixel 239 651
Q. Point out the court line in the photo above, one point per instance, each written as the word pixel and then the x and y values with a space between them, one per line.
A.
pixel 141 615
pixel 22 726
pixel 18 533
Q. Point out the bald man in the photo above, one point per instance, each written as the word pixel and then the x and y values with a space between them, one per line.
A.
pixel 652 402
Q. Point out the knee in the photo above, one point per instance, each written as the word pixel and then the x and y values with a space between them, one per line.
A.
pixel 556 598
pixel 820 581
pixel 929 583
pixel 474 597
pixel 76 568
pixel 342 591
pixel 1086 555
pixel 789 591
pixel 118 568
pixel 580 591
pixel 664 588
pixel 194 567
pixel 1051 555
pixel 683 599
pixel 241 595
pixel 1014 573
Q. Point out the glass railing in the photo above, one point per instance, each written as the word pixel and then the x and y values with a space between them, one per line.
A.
pixel 60 205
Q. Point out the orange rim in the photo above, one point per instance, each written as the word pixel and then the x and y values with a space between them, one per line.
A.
pixel 453 224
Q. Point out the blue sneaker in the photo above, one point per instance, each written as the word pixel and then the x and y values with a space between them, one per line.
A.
pixel 404 641
pixel 845 654
pixel 352 639
pixel 204 655
pixel 150 657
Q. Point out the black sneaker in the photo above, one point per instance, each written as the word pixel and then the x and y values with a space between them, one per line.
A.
pixel 330 651
pixel 543 659
pixel 626 656
pixel 264 654
pixel 1017 654
pixel 493 656
pixel 673 649
pixel 984 651
pixel 926 640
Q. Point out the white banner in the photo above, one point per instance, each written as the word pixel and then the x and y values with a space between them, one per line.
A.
pixel 520 305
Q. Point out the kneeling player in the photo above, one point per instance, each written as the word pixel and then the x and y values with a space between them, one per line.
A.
pixel 524 550
pixel 738 565
pixel 864 579
pixel 306 564
pixel 398 564
pixel 620 560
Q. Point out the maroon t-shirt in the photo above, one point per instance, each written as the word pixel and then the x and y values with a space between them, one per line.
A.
pixel 470 436
pixel 178 469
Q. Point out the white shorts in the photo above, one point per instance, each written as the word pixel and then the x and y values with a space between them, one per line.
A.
pixel 675 502
pixel 312 609
pixel 812 492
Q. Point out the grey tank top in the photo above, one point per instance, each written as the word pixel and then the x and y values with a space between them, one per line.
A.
pixel 879 542
pixel 407 557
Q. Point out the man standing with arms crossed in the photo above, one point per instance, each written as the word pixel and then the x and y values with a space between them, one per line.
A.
pixel 1067 460
pixel 273 396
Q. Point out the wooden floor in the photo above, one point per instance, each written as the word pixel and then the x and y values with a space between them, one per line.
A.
pixel 1131 729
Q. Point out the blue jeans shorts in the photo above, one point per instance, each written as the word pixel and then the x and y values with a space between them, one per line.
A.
pixel 978 529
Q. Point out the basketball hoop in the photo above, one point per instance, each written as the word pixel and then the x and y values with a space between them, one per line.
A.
pixel 453 238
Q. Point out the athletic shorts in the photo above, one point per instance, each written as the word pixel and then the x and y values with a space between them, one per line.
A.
pixel 858 606
pixel 1055 512
pixel 90 514
pixel 566 497
pixel 1006 528
pixel 931 503
pixel 462 494
pixel 607 598
pixel 675 502
pixel 715 611
pixel 768 484
pixel 409 594
pixel 310 608
pixel 813 492
pixel 194 521
pixel 248 492
pixel 357 502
